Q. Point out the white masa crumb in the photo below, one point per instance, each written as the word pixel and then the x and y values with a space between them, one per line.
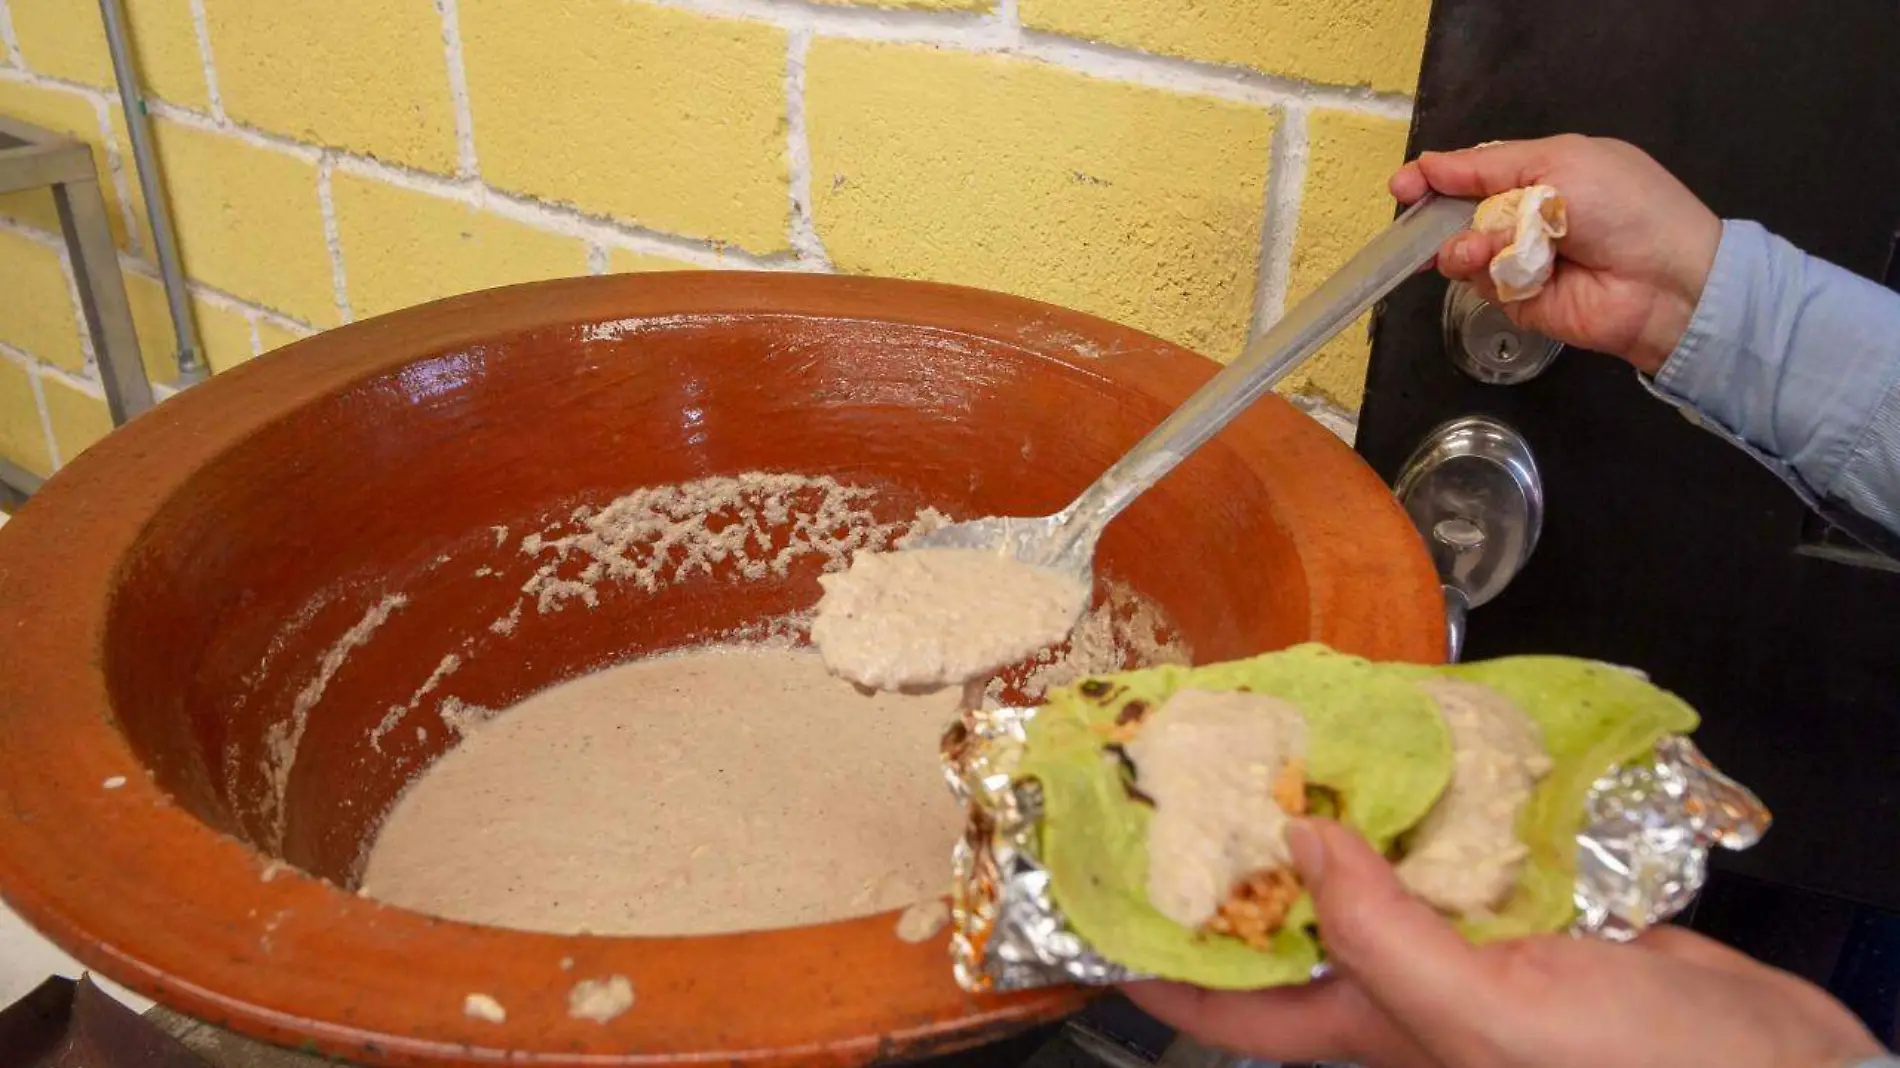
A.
pixel 600 1000
pixel 923 920
pixel 483 1007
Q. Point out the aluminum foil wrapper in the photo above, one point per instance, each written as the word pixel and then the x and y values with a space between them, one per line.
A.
pixel 1641 857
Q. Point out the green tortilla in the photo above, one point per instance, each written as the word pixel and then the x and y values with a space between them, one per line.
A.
pixel 1592 717
pixel 1373 739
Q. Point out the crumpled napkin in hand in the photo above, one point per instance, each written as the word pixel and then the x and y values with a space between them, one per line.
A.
pixel 1534 218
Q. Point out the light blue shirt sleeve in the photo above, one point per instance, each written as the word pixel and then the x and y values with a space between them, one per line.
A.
pixel 1797 361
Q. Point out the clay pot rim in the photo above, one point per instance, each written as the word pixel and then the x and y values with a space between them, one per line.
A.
pixel 58 743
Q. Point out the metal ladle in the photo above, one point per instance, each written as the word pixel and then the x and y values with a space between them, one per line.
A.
pixel 1066 540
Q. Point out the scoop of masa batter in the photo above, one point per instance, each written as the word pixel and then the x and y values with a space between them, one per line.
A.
pixel 1214 765
pixel 925 618
pixel 720 789
pixel 1464 856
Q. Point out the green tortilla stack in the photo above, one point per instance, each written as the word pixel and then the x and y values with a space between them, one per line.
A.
pixel 1378 755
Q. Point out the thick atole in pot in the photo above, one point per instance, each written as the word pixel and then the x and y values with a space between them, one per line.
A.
pixel 227 601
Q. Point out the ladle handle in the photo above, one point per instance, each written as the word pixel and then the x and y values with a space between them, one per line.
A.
pixel 1392 257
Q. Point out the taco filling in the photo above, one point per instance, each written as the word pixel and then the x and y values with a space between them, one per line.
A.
pixel 1225 772
pixel 1464 857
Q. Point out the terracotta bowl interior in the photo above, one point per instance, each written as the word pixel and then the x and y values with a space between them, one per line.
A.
pixel 412 482
pixel 409 456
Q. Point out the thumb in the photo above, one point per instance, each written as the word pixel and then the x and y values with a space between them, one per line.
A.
pixel 1406 957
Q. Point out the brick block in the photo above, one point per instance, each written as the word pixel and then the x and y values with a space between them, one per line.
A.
pixel 622 261
pixel 1133 203
pixel 71 113
pixel 664 118
pixel 225 334
pixel 1374 43
pixel 37 314
pixel 22 435
pixel 361 75
pixel 78 418
pixel 402 248
pixel 248 221
pixel 1349 160
pixel 67 39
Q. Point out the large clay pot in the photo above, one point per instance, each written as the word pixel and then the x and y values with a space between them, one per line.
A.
pixel 167 600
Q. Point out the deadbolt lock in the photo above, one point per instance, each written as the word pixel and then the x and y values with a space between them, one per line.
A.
pixel 1484 343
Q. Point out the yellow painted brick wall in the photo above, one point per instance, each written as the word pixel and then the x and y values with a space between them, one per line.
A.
pixel 1200 164
pixel 665 119
pixel 406 247
pixel 1134 203
pixel 1343 206
pixel 362 75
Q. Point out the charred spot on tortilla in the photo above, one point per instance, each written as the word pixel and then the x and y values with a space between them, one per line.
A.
pixel 1096 689
pixel 955 741
pixel 1127 723
pixel 1131 714
pixel 1324 802
pixel 1130 776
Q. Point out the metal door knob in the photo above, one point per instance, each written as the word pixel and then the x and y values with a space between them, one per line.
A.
pixel 1473 491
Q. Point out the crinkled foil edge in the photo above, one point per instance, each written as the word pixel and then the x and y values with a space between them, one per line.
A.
pixel 1641 857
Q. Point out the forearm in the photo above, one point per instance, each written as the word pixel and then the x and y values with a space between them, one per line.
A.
pixel 1800 360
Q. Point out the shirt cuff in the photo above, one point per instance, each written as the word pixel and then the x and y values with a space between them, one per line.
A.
pixel 1788 353
pixel 1693 373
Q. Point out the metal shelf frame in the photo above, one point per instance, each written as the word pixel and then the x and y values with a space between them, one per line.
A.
pixel 33 158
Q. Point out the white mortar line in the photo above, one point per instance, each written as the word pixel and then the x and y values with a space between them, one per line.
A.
pixel 84 383
pixel 102 105
pixel 333 238
pixel 1009 17
pixel 597 258
pixel 198 120
pixel 26 360
pixel 257 339
pixel 297 330
pixel 804 228
pixel 1280 223
pixel 458 88
pixel 30 364
pixel 57 244
pixel 971 32
pixel 964 30
pixel 1238 84
pixel 34 234
pixel 8 38
pixel 220 299
pixel 116 174
pixel 202 29
pixel 559 219
pixel 33 371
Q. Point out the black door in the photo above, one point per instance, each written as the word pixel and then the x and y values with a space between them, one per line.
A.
pixel 1663 548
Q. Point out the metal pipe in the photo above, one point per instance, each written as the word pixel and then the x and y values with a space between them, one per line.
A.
pixel 190 353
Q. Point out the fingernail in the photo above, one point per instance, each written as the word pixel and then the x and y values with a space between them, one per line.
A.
pixel 1309 852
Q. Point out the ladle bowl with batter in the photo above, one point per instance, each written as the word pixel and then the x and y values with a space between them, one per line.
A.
pixel 228 631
